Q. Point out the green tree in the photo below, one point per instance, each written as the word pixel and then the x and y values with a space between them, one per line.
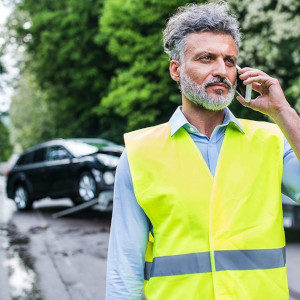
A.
pixel 141 92
pixel 2 69
pixel 70 66
pixel 101 68
pixel 32 118
pixel 270 41
pixel 5 146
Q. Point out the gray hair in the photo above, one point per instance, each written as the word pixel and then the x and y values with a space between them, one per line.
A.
pixel 213 17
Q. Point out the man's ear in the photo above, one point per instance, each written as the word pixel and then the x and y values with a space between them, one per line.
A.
pixel 175 69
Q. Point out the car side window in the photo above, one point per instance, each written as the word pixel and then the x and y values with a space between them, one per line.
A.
pixel 39 155
pixel 57 153
pixel 25 159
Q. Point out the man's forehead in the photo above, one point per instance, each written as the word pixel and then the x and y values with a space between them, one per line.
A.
pixel 209 41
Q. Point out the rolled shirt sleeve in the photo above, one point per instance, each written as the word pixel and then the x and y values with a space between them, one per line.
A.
pixel 128 240
pixel 291 173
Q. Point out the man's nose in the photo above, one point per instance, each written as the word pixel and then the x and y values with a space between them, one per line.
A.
pixel 220 69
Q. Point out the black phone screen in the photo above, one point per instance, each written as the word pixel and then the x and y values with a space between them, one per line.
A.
pixel 240 87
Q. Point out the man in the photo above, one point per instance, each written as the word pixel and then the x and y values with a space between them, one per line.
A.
pixel 206 185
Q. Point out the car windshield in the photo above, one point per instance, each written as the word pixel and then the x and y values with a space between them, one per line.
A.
pixel 99 143
pixel 78 148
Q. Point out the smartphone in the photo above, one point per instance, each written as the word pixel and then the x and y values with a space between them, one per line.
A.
pixel 243 90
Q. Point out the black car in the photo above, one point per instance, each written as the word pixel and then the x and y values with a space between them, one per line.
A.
pixel 291 213
pixel 79 169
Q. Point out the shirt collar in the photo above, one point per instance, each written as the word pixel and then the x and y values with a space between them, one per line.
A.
pixel 178 120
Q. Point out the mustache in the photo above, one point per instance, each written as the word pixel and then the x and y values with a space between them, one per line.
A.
pixel 218 80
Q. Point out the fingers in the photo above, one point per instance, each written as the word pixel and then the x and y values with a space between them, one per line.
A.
pixel 242 101
pixel 251 72
pixel 265 80
pixel 271 98
pixel 257 87
pixel 258 78
pixel 247 73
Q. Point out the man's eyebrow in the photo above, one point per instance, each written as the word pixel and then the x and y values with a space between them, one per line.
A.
pixel 205 52
pixel 197 54
pixel 213 54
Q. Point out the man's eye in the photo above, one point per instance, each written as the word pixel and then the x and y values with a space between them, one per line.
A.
pixel 230 61
pixel 205 58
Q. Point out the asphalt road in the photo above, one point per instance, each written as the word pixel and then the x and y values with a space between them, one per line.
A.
pixel 42 258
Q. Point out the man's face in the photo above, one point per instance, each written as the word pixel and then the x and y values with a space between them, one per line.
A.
pixel 208 74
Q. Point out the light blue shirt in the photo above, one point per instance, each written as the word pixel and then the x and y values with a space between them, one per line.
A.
pixel 130 226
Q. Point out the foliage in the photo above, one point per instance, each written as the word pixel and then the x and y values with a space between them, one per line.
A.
pixel 271 40
pixel 141 92
pixel 5 146
pixel 98 68
pixel 32 118
pixel 70 67
pixel 294 91
pixel 2 69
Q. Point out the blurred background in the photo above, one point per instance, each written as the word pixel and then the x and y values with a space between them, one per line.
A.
pixel 96 69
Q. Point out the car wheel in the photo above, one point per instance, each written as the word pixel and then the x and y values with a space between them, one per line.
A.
pixel 86 188
pixel 21 198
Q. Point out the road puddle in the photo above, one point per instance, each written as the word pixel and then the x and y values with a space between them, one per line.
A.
pixel 22 280
pixel 21 276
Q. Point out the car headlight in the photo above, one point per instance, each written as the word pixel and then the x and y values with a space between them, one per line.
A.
pixel 108 160
pixel 108 178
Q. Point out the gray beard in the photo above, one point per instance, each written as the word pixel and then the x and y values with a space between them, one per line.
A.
pixel 196 93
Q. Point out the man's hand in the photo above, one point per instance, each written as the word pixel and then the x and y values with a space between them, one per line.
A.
pixel 271 100
pixel 273 103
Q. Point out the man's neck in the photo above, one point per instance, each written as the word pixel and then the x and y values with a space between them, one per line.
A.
pixel 204 120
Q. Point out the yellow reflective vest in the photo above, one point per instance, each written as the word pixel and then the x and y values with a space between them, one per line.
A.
pixel 215 237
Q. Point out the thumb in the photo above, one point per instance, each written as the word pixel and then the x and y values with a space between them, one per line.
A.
pixel 243 102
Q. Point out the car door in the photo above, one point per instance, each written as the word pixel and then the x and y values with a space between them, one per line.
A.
pixel 59 173
pixel 35 173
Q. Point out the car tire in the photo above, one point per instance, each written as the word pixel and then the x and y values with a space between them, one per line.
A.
pixel 21 198
pixel 86 189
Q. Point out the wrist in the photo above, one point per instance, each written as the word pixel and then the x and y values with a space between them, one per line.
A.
pixel 283 113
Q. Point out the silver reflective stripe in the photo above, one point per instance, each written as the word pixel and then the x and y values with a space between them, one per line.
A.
pixel 224 260
pixel 147 270
pixel 179 264
pixel 250 259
